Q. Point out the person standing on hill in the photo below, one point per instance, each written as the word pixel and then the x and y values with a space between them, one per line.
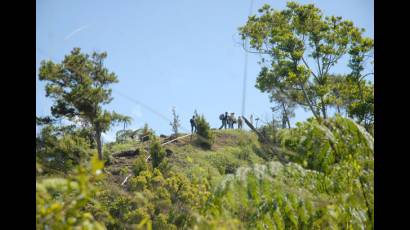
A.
pixel 239 122
pixel 228 121
pixel 193 124
pixel 224 119
pixel 231 120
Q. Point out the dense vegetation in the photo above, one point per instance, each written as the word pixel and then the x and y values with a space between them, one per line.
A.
pixel 317 175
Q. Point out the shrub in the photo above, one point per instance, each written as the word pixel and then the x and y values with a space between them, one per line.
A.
pixel 225 162
pixel 175 124
pixel 61 203
pixel 205 138
pixel 139 165
pixel 61 149
pixel 276 196
pixel 157 153
pixel 319 146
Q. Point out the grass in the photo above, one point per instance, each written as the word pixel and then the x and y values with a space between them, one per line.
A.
pixel 231 150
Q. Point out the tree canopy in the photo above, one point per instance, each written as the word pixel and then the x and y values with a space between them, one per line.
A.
pixel 300 46
pixel 79 88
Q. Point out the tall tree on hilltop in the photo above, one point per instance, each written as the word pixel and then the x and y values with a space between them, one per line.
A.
pixel 279 94
pixel 301 46
pixel 175 124
pixel 79 87
pixel 363 107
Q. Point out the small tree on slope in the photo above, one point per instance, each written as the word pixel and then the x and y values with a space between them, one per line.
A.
pixel 205 137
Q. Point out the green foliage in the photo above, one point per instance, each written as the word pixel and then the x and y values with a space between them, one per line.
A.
pixel 61 148
pixel 204 135
pixel 124 171
pixel 44 120
pixel 327 183
pixel 296 38
pixel 115 147
pixel 78 87
pixel 123 135
pixel 319 146
pixel 139 165
pixel 231 158
pixel 157 153
pixel 326 186
pixel 337 194
pixel 175 124
pixel 275 196
pixel 165 202
pixel 233 148
pixel 61 202
pixel 224 162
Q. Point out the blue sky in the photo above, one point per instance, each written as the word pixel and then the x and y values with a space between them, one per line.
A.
pixel 181 53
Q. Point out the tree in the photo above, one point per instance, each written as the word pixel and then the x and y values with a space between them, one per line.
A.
pixel 62 147
pixel 363 107
pixel 47 120
pixel 175 124
pixel 286 112
pixel 279 94
pixel 354 96
pixel 157 153
pixel 203 131
pixel 296 39
pixel 79 87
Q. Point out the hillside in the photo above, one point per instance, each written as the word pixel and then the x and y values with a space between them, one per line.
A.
pixel 315 174
pixel 326 184
pixel 231 150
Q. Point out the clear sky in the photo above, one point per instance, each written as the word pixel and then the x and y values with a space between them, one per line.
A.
pixel 181 53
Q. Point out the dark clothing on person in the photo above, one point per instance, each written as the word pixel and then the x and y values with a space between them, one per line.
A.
pixel 193 125
pixel 224 120
pixel 223 124
pixel 230 123
pixel 231 120
pixel 239 122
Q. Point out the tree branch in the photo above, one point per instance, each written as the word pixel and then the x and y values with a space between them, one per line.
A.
pixel 314 75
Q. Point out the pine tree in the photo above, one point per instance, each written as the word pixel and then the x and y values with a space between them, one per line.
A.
pixel 175 124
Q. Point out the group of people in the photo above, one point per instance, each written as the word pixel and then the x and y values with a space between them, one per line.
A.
pixel 230 120
pixel 227 120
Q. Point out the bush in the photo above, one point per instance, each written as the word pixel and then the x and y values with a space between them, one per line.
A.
pixel 60 148
pixel 276 196
pixel 157 153
pixel 64 203
pixel 139 165
pixel 205 138
pixel 225 162
pixel 319 146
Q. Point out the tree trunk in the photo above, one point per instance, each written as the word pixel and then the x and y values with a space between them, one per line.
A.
pixel 323 108
pixel 324 112
pixel 286 115
pixel 288 122
pixel 361 99
pixel 98 140
pixel 317 116
pixel 264 139
pixel 283 121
